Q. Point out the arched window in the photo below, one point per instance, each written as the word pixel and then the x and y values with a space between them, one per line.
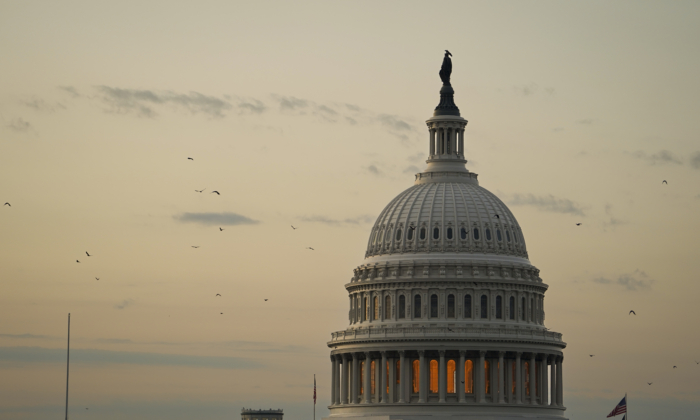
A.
pixel 436 232
pixel 372 375
pixel 498 235
pixel 416 376
pixel 469 377
pixel 467 306
pixel 416 306
pixel 398 372
pixel 387 307
pixel 381 236
pixel 362 377
pixel 499 307
pixel 488 234
pixel 433 376
pixel 398 234
pixel 376 308
pixel 450 306
pixel 402 307
pixel 508 235
pixel 366 311
pixel 515 236
pixel 484 307
pixel 476 234
pixel 433 306
pixel 451 376
pixel 512 308
pixel 449 233
pixel 527 378
pixel 463 233
pixel 422 233
pixel 487 376
pixel 532 310
pixel 409 233
pixel 522 309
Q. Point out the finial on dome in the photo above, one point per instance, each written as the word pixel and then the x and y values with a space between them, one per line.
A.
pixel 447 103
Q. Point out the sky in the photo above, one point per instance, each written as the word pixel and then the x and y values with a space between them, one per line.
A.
pixel 312 114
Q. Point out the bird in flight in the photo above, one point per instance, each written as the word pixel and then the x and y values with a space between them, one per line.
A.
pixel 697 363
pixel 195 246
pixel 308 247
pixel 218 294
pixel 650 383
pixel 450 329
pixel 86 253
pixel 265 300
pixel 221 229
pixel 632 312
pixel 664 182
pixel 293 227
pixel 202 190
pixel 190 158
pixel 412 227
pixel 578 224
pixel 222 313
pixel 496 216
pixel 674 367
pixel 591 355
pixel 77 261
pixel 8 204
pixel 217 193
pixel 97 278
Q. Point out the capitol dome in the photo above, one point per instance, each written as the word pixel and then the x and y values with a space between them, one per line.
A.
pixel 446 312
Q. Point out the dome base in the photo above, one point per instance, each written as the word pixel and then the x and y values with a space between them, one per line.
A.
pixel 445 411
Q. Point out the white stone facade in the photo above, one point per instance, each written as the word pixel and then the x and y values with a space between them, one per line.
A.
pixel 446 313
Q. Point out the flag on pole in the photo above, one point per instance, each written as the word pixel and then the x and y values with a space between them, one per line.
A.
pixel 314 389
pixel 620 408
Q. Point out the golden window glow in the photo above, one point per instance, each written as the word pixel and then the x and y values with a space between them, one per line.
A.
pixel 398 371
pixel 487 375
pixel 469 377
pixel 366 309
pixel 376 307
pixel 416 376
pixel 387 377
pixel 362 377
pixel 433 375
pixel 373 374
pixel 527 378
pixel 451 378
pixel 387 309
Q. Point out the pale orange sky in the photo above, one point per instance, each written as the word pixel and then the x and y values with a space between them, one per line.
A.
pixel 312 114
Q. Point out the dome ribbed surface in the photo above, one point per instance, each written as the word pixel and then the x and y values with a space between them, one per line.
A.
pixel 452 208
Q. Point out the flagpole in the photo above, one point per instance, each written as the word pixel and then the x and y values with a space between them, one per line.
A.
pixel 67 366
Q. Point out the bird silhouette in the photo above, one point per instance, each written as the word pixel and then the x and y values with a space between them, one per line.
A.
pixel 462 381
pixel 632 312
pixel 202 190
pixel 265 300
pixel 449 329
pixel 412 227
pixel 86 253
pixel 97 278
pixel 308 247
pixel 217 294
pixel 293 227
pixel 221 229
pixel 697 363
pixel 222 313
pixel 190 158
pixel 8 204
pixel 578 224
pixel 591 355
pixel 195 246
pixel 664 182
pixel 650 383
pixel 496 216
pixel 77 261
pixel 674 367
pixel 217 193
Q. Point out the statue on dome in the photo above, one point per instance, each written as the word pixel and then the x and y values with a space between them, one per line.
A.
pixel 446 69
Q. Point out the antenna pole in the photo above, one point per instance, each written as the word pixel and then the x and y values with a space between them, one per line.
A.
pixel 67 366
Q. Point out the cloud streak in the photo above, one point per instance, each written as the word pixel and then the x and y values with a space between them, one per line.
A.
pixel 548 203
pixel 217 219
pixel 661 157
pixel 363 219
pixel 19 125
pixel 638 280
pixel 144 102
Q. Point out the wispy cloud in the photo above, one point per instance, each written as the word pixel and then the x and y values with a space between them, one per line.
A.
pixel 28 336
pixel 372 169
pixel 585 121
pixel 612 221
pixel 531 89
pixel 144 102
pixel 547 203
pixel 124 304
pixel 363 219
pixel 218 219
pixel 73 92
pixel 41 105
pixel 19 125
pixel 411 169
pixel 393 122
pixel 695 160
pixel 638 280
pixel 92 356
pixel 659 158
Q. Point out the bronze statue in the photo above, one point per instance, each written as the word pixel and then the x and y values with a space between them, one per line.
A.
pixel 446 69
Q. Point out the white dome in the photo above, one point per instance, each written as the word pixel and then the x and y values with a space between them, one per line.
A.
pixel 446 217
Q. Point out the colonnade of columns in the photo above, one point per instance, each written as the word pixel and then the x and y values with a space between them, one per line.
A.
pixel 447 141
pixel 446 376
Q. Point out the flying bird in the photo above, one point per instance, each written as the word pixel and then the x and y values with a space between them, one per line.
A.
pixel 664 182
pixel 412 227
pixel 265 300
pixel 578 224
pixel 97 278
pixel 202 190
pixel 650 383
pixel 8 204
pixel 293 227
pixel 308 247
pixel 222 313
pixel 86 253
pixel 632 312
pixel 674 367
pixel 449 329
pixel 77 261
pixel 217 193
pixel 195 246
pixel 190 158
pixel 591 355
pixel 221 229
pixel 496 216
pixel 218 294
pixel 697 363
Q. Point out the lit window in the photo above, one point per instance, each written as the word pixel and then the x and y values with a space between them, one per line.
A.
pixel 402 306
pixel 527 378
pixel 366 302
pixel 416 376
pixel 433 306
pixel 476 234
pixel 467 306
pixel 422 233
pixel 498 235
pixel 508 235
pixel 487 376
pixel 451 376
pixel 376 307
pixel 362 377
pixel 398 372
pixel 450 306
pixel 499 307
pixel 469 377
pixel 488 234
pixel 387 307
pixel 416 306
pixel 436 232
pixel 372 375
pixel 434 376
pixel 463 233
pixel 512 307
pixel 449 233
pixel 484 307
pixel 398 234
pixel 409 234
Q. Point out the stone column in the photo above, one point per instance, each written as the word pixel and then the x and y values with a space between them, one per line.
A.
pixel 402 376
pixel 501 378
pixel 461 379
pixel 442 377
pixel 334 378
pixel 382 380
pixel 509 381
pixel 481 378
pixel 461 142
pixel 544 394
pixel 432 142
pixel 367 376
pixel 422 389
pixel 553 385
pixel 533 381
pixel 344 381
pixel 355 381
pixel 518 378
pixel 560 386
pixel 391 397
